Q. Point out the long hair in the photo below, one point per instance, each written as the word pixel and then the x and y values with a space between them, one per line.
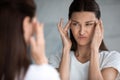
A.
pixel 13 49
pixel 84 5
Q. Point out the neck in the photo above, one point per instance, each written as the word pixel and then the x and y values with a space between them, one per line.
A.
pixel 83 51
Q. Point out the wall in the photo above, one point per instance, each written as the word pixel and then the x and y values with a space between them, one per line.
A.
pixel 50 11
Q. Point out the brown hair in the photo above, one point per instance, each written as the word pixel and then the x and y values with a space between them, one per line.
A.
pixel 13 49
pixel 84 5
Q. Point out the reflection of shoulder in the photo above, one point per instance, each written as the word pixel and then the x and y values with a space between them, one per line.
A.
pixel 110 59
pixel 71 54
pixel 55 59
pixel 110 55
pixel 59 55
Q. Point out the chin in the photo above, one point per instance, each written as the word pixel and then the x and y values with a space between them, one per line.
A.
pixel 83 43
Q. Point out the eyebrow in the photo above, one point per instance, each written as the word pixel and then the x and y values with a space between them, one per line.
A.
pixel 74 20
pixel 85 22
pixel 92 21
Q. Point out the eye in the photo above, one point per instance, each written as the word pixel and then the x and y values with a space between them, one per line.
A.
pixel 74 24
pixel 89 24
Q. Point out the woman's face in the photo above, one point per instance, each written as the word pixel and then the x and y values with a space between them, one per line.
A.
pixel 82 26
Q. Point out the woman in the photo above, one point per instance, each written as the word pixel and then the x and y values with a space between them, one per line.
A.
pixel 17 26
pixel 84 55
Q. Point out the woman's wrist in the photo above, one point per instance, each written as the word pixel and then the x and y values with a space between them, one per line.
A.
pixel 94 50
pixel 94 54
pixel 66 50
pixel 41 60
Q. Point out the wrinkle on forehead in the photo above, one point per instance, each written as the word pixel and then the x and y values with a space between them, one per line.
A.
pixel 83 17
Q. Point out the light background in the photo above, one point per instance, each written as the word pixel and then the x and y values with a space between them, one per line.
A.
pixel 50 11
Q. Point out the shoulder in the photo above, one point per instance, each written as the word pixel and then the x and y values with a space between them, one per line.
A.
pixel 55 59
pixel 110 59
pixel 55 56
pixel 109 54
pixel 39 72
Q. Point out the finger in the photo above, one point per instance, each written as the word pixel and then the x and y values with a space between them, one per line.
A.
pixel 97 29
pixel 98 32
pixel 32 42
pixel 101 25
pixel 39 29
pixel 67 26
pixel 34 24
pixel 61 22
pixel 40 33
pixel 60 28
pixel 102 29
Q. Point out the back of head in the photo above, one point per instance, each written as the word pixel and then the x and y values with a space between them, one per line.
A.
pixel 12 45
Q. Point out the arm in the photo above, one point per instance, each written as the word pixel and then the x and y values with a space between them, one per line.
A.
pixel 64 65
pixel 65 61
pixel 109 73
pixel 38 44
pixel 41 70
pixel 94 70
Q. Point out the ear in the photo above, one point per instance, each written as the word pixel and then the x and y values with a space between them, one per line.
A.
pixel 26 23
pixel 27 29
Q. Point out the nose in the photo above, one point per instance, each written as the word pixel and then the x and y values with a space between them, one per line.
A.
pixel 82 30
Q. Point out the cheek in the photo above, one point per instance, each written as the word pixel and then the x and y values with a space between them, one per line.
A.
pixel 74 31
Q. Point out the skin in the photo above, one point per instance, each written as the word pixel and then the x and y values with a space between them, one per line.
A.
pixel 88 33
pixel 37 44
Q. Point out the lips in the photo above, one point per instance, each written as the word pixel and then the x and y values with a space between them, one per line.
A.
pixel 82 37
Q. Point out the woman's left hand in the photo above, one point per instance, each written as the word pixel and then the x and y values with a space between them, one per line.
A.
pixel 98 36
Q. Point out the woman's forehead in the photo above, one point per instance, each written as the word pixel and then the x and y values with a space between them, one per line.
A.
pixel 83 16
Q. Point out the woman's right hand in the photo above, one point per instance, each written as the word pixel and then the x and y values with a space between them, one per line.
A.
pixel 64 34
pixel 37 43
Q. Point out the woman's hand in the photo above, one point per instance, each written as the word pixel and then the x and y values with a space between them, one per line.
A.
pixel 64 34
pixel 98 36
pixel 94 68
pixel 37 43
pixel 65 59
